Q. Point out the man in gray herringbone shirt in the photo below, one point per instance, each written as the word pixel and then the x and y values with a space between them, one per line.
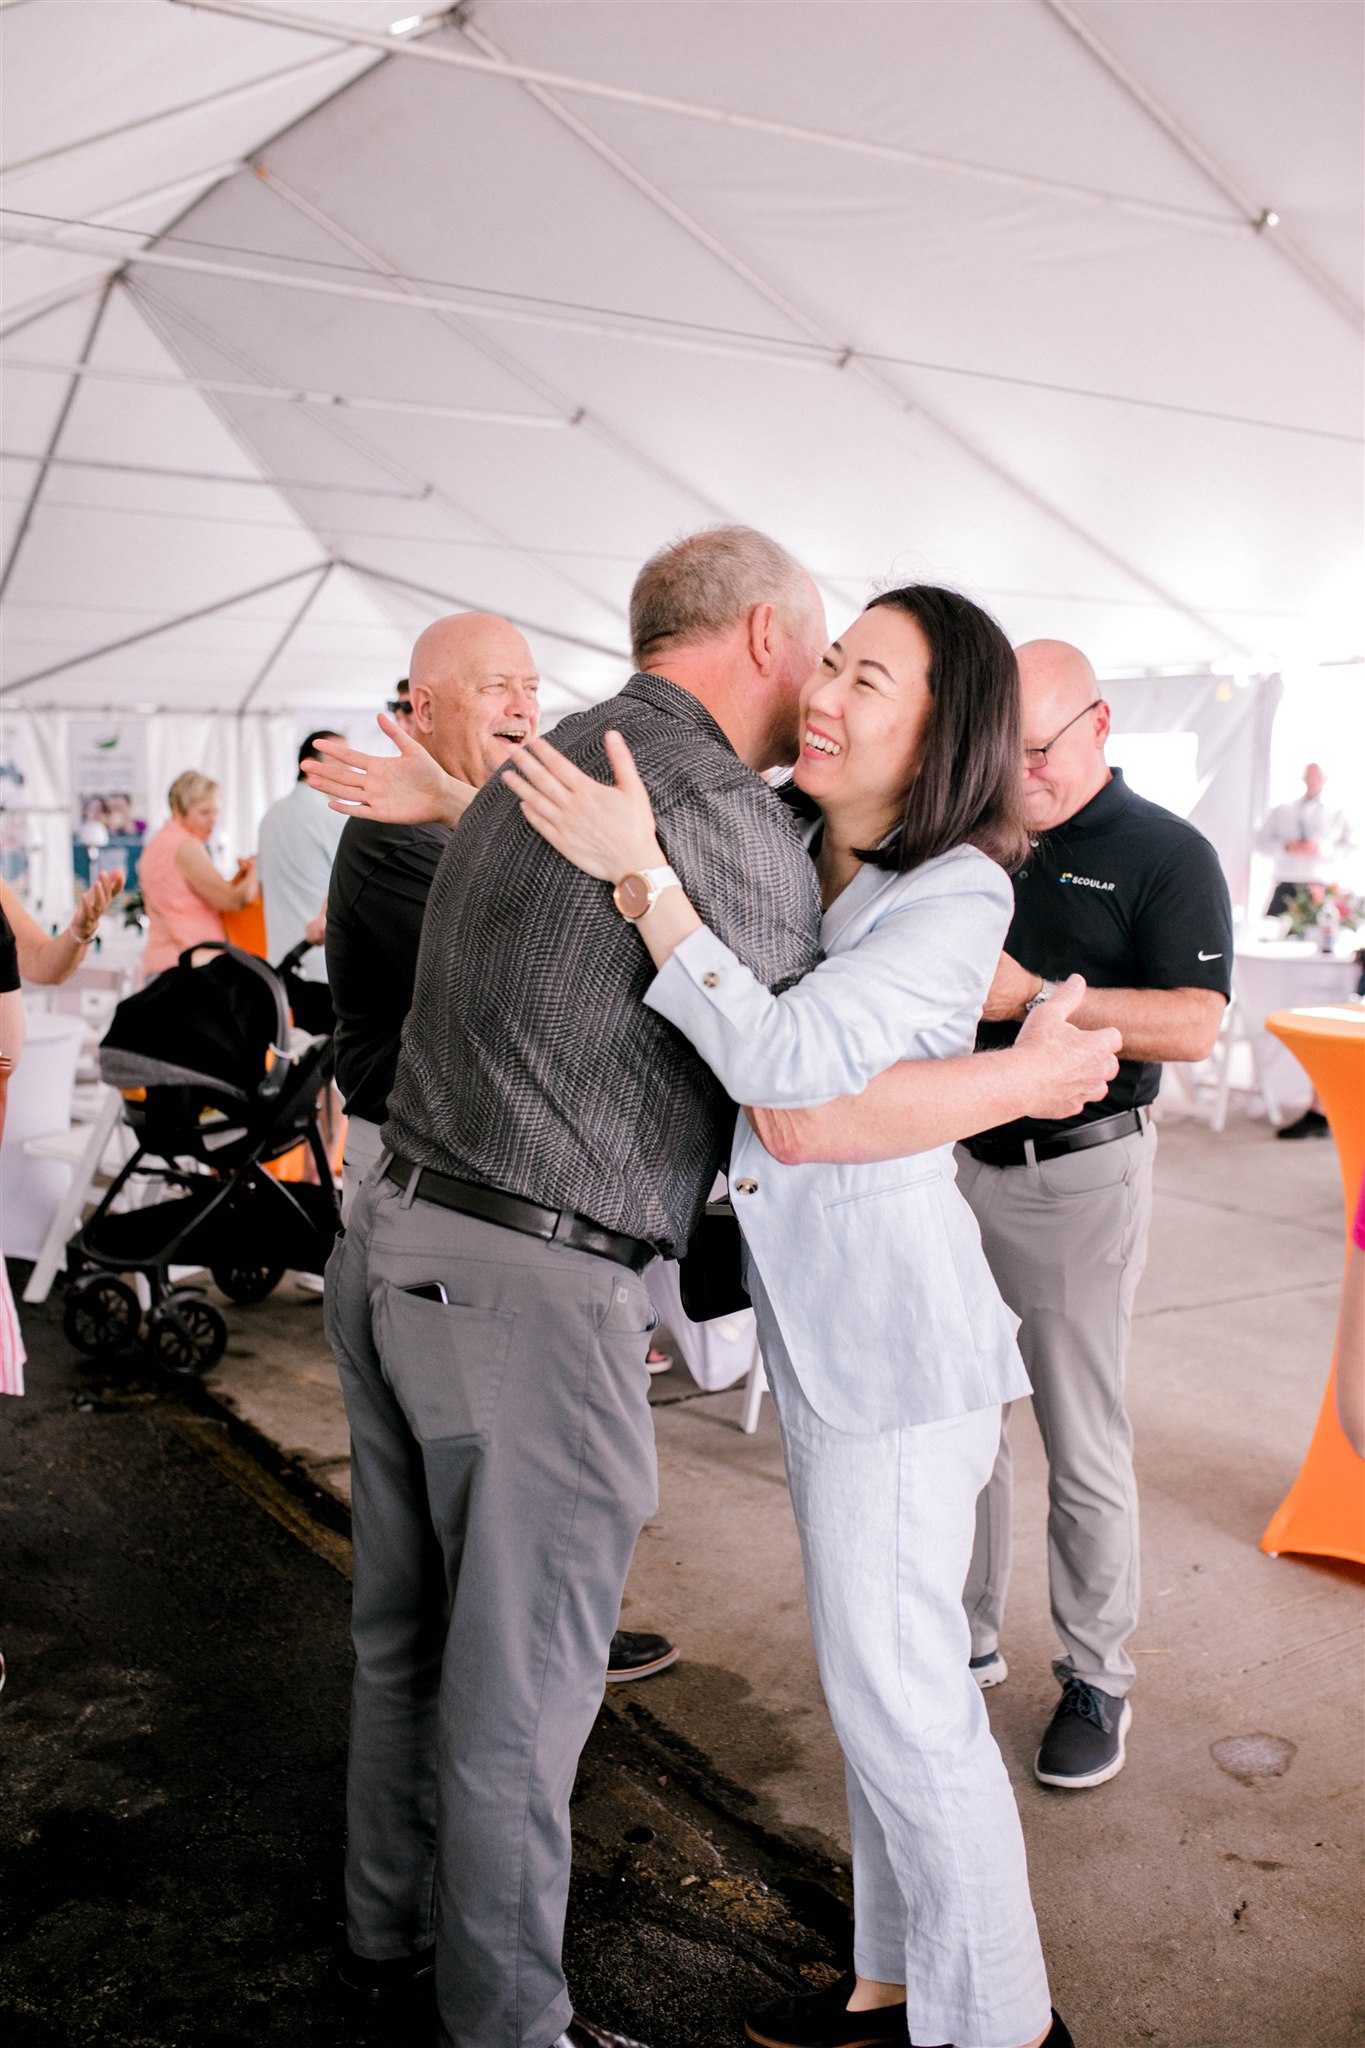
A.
pixel 547 1134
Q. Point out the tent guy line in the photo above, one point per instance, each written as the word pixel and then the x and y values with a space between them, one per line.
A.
pixel 432 52
pixel 419 295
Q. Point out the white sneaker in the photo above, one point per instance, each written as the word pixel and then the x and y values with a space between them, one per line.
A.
pixel 988 1670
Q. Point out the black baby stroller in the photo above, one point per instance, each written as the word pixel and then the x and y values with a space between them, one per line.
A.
pixel 214 1085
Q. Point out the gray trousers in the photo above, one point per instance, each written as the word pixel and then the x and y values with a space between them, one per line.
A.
pixel 1067 1243
pixel 502 1467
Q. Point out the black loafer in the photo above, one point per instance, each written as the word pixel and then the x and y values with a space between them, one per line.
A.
pixel 821 2019
pixel 383 1986
pixel 636 1654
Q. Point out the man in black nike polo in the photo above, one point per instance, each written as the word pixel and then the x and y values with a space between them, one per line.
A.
pixel 1132 897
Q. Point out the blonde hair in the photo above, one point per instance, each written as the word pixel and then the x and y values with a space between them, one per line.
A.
pixel 190 789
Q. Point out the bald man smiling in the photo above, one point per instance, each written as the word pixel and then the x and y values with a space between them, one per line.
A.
pixel 1132 897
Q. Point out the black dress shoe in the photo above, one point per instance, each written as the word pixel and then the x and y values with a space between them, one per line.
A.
pixel 821 2019
pixel 1312 1124
pixel 389 1984
pixel 635 1654
pixel 581 2033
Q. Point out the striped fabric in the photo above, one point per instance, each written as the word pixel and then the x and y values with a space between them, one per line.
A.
pixel 529 1062
pixel 12 1353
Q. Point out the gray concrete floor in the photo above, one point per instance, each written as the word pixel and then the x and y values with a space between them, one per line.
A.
pixel 1180 1904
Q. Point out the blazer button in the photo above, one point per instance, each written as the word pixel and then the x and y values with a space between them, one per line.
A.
pixel 711 980
pixel 746 1187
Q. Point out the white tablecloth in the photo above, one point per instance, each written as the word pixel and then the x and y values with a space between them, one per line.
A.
pixel 1287 974
pixel 40 1092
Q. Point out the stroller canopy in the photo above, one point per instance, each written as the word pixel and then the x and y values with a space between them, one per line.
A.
pixel 212 1025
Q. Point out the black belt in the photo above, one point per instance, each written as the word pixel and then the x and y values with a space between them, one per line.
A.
pixel 556 1226
pixel 1024 1151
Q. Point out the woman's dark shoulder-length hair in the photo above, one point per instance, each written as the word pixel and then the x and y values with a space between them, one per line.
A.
pixel 969 788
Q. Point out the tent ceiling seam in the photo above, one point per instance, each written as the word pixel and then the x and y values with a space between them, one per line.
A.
pixel 465 604
pixel 216 99
pixel 821 354
pixel 202 611
pixel 868 373
pixel 490 348
pixel 257 482
pixel 286 636
pixel 345 434
pixel 660 103
pixel 54 439
pixel 1260 219
pixel 350 401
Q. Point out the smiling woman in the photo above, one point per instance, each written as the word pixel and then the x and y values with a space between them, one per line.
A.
pixel 888 1348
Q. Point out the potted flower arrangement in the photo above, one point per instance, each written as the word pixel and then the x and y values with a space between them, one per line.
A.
pixel 1321 905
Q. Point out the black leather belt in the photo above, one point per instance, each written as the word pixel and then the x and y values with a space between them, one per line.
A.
pixel 556 1226
pixel 1024 1151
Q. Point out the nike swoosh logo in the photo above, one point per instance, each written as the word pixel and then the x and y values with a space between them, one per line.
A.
pixel 1210 956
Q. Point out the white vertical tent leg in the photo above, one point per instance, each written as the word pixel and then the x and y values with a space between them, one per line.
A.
pixel 755 1387
pixel 68 1211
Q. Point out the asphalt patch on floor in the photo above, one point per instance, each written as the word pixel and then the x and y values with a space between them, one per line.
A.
pixel 172 1736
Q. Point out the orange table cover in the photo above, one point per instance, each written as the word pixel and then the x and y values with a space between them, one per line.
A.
pixel 246 928
pixel 1323 1514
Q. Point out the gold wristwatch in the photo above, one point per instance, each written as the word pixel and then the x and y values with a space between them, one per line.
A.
pixel 635 895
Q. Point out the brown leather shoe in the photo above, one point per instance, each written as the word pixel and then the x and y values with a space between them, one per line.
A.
pixel 581 2033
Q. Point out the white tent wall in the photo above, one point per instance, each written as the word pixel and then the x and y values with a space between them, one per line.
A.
pixel 1220 782
pixel 253 758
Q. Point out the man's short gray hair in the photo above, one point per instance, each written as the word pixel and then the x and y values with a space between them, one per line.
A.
pixel 698 587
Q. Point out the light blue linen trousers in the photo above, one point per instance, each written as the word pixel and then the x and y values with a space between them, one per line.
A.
pixel 940 1881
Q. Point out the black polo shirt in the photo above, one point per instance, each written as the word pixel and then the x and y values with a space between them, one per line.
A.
pixel 1130 896
pixel 376 900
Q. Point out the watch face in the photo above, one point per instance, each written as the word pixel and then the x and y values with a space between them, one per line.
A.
pixel 633 896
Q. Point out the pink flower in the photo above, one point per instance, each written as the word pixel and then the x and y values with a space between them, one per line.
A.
pixel 1316 891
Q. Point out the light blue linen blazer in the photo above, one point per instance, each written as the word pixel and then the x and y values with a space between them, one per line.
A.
pixel 875 1273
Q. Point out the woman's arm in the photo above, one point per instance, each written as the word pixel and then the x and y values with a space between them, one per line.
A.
pixel 49 957
pixel 928 958
pixel 1051 1071
pixel 407 788
pixel 194 863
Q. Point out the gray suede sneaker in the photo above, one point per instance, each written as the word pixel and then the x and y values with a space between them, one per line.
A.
pixel 1085 1739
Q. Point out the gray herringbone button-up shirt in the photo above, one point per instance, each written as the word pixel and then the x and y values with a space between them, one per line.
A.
pixel 529 1062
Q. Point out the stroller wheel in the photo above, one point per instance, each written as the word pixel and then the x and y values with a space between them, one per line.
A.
pixel 246 1283
pixel 186 1334
pixel 101 1313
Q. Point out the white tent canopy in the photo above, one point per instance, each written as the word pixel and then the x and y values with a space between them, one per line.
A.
pixel 313 329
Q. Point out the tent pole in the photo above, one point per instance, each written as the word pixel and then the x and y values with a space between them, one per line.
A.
pixel 1258 218
pixel 432 52
pixel 286 636
pixel 867 372
pixel 464 604
pixel 209 99
pixel 258 482
pixel 31 504
pixel 486 346
pixel 51 302
pixel 202 611
pixel 102 374
pixel 378 457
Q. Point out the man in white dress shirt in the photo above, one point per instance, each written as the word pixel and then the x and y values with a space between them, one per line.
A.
pixel 295 849
pixel 1307 839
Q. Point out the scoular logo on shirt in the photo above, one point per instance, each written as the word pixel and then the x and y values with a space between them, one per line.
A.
pixel 1083 881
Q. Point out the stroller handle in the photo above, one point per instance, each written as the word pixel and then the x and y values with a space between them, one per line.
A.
pixel 279 1072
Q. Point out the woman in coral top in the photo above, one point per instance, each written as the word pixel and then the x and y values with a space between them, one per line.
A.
pixel 183 891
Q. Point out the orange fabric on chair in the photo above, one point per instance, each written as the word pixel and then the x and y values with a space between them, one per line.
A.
pixel 1323 1514
pixel 246 928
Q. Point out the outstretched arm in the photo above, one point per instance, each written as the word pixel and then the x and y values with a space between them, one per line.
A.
pixel 1051 1071
pixel 407 788
pixel 49 957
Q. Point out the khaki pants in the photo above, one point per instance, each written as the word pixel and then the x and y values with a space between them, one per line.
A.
pixel 1067 1243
